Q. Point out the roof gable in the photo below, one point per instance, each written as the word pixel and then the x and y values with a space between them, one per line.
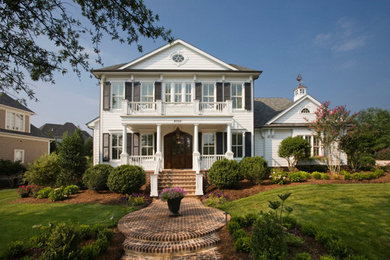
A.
pixel 10 102
pixel 293 113
pixel 194 58
pixel 266 108
pixel 57 131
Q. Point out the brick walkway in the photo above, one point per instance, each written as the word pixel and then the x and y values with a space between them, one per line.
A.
pixel 152 234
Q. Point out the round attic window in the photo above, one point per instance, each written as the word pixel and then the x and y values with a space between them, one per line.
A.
pixel 178 58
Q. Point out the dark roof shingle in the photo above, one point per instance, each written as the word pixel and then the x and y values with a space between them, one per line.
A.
pixel 267 108
pixel 36 132
pixel 10 102
pixel 57 131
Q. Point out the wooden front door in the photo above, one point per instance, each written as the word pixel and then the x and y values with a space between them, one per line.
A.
pixel 178 150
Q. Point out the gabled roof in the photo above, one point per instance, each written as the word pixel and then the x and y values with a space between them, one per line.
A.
pixel 57 130
pixel 126 67
pixel 296 103
pixel 266 108
pixel 10 102
pixel 35 132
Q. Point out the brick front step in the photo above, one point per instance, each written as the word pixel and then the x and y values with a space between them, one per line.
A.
pixel 185 179
pixel 161 247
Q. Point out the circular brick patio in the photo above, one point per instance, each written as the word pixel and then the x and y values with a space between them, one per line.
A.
pixel 150 231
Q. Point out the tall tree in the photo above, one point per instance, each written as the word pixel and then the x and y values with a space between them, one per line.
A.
pixel 330 125
pixel 29 27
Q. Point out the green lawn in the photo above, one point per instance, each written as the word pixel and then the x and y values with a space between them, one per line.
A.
pixel 16 220
pixel 358 213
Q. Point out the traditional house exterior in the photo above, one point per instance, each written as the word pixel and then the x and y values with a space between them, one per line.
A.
pixel 19 139
pixel 174 108
pixel 180 108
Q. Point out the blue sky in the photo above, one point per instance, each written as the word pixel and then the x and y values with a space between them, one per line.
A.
pixel 342 49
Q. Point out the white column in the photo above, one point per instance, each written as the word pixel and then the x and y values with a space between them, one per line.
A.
pixel 124 155
pixel 229 153
pixel 158 148
pixel 196 162
pixel 196 136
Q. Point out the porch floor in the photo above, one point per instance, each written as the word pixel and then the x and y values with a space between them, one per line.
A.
pixel 151 234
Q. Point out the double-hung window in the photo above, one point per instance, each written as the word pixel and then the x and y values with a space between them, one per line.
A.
pixel 147 144
pixel 188 92
pixel 168 90
pixel 117 95
pixel 147 92
pixel 116 144
pixel 237 95
pixel 316 146
pixel 15 121
pixel 237 145
pixel 208 144
pixel 208 93
pixel 178 93
pixel 19 155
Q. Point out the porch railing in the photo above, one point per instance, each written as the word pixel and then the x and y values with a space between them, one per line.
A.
pixel 141 107
pixel 145 161
pixel 212 106
pixel 206 161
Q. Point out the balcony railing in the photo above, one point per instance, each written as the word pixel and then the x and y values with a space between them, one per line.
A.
pixel 145 161
pixel 180 108
pixel 206 161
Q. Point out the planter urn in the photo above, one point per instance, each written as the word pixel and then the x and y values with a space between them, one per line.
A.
pixel 174 206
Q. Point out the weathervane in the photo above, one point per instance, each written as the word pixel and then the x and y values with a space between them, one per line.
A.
pixel 299 78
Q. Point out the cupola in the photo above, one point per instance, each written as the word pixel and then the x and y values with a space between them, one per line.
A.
pixel 299 91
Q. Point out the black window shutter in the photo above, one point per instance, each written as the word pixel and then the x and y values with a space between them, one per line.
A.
pixel 157 90
pixel 219 142
pixel 248 142
pixel 155 143
pixel 224 142
pixel 219 92
pixel 106 147
pixel 129 142
pixel 248 95
pixel 106 95
pixel 200 142
pixel 128 91
pixel 198 91
pixel 136 141
pixel 226 91
pixel 137 91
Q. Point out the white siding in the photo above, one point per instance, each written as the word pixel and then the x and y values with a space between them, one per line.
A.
pixel 295 115
pixel 162 60
pixel 96 145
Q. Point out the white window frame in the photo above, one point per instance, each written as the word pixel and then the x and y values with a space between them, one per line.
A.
pixel 148 146
pixel 187 94
pixel 119 147
pixel 214 145
pixel 170 91
pixel 234 146
pixel 305 112
pixel 314 147
pixel 112 96
pixel 178 94
pixel 242 95
pixel 142 96
pixel 12 114
pixel 22 152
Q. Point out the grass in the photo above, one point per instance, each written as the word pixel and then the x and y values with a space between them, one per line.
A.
pixel 358 213
pixel 16 220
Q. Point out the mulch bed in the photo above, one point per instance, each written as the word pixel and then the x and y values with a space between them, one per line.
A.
pixel 115 249
pixel 246 189
pixel 84 196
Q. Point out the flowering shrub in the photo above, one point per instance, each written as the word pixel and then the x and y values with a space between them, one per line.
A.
pixel 215 198
pixel 57 194
pixel 71 189
pixel 136 199
pixel 278 177
pixel 24 191
pixel 44 193
pixel 172 193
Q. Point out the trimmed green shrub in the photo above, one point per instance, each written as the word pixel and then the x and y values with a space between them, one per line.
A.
pixel 57 194
pixel 239 233
pixel 95 178
pixel 297 176
pixel 43 171
pixel 347 176
pixel 317 175
pixel 233 226
pixel 250 218
pixel 357 176
pixel 12 170
pixel 267 239
pixel 254 169
pixel 224 173
pixel 14 250
pixel 278 177
pixel 71 189
pixel 325 176
pixel 243 244
pixel 343 172
pixel 44 193
pixel 126 179
pixel 294 149
pixel 302 256
pixel 383 154
pixel 327 257
pixel 379 172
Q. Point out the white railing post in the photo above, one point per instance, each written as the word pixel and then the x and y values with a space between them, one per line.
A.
pixel 125 104
pixel 229 106
pixel 159 107
pixel 196 104
pixel 229 154
pixel 124 155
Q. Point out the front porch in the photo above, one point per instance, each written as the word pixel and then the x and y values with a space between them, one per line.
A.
pixel 157 147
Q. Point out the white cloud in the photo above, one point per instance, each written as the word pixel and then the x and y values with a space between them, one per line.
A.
pixel 350 44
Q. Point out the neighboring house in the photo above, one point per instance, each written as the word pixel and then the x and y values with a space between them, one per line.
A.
pixel 20 140
pixel 180 108
pixel 57 131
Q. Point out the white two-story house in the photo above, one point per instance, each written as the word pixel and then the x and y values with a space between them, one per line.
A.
pixel 177 107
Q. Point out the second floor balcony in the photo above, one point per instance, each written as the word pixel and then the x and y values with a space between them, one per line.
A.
pixel 177 108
